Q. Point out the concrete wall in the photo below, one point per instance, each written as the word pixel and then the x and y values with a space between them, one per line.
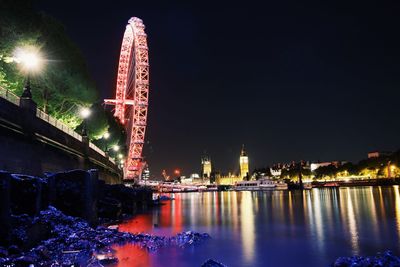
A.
pixel 32 146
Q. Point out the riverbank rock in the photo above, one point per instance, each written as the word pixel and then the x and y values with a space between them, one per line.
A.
pixel 27 194
pixel 70 241
pixel 212 263
pixel 386 259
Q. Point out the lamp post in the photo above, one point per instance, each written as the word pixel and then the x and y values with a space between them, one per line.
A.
pixel 121 160
pixel 30 60
pixel 106 135
pixel 85 113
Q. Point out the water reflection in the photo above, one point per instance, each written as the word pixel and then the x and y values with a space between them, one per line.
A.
pixel 132 256
pixel 350 220
pixel 247 226
pixel 397 198
pixel 316 219
pixel 274 228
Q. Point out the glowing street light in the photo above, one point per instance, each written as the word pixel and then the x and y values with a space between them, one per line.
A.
pixel 30 61
pixel 106 135
pixel 120 156
pixel 85 113
pixel 116 148
pixel 29 58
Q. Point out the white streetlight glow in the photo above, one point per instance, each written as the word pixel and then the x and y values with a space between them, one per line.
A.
pixel 106 135
pixel 29 58
pixel 85 113
pixel 116 147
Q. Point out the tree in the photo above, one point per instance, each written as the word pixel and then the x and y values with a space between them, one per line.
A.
pixel 325 171
pixel 64 85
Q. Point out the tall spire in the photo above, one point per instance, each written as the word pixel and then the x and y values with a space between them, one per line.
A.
pixel 243 151
pixel 244 164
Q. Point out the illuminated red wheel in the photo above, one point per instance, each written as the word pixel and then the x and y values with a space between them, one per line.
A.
pixel 132 92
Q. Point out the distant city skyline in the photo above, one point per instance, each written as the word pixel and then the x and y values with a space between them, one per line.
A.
pixel 291 80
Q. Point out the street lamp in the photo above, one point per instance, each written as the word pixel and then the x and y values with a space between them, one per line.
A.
pixel 106 135
pixel 116 148
pixel 30 60
pixel 85 113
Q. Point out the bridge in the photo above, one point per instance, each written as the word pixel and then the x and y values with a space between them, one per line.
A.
pixel 32 142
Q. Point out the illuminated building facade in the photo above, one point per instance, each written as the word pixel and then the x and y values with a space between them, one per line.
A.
pixel 146 172
pixel 244 164
pixel 206 167
pixel 377 154
pixel 231 178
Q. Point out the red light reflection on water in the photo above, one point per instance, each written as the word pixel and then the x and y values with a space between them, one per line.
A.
pixel 139 224
pixel 167 221
pixel 132 256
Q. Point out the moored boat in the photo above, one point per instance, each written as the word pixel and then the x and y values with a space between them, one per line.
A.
pixel 246 186
pixel 266 184
pixel 307 186
pixel 212 187
pixel 281 185
pixel 201 188
pixel 331 184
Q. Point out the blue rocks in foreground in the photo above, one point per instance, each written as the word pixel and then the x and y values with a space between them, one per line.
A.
pixel 386 259
pixel 68 240
pixel 212 263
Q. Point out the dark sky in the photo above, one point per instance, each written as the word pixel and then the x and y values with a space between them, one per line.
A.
pixel 290 80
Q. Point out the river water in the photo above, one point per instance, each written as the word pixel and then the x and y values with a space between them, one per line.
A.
pixel 277 228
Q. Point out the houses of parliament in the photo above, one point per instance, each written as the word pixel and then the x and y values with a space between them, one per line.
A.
pixel 230 178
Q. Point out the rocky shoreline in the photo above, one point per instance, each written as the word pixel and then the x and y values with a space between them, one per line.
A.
pixel 385 259
pixel 59 220
pixel 71 241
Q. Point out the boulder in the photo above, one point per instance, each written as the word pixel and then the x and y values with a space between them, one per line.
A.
pixel 26 194
pixel 212 263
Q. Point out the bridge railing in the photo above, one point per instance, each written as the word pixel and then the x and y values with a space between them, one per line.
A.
pixel 98 150
pixel 58 124
pixel 13 98
pixel 8 95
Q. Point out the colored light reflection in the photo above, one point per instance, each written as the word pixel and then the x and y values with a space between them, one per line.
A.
pixel 140 224
pixel 269 228
pixel 397 210
pixel 132 256
pixel 349 219
pixel 247 226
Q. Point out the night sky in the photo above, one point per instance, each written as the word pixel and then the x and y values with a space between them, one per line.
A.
pixel 290 80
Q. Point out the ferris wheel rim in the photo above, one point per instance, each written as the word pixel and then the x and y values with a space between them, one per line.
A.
pixel 132 90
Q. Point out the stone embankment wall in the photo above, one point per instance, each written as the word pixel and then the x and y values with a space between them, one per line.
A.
pixel 76 193
pixel 31 145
